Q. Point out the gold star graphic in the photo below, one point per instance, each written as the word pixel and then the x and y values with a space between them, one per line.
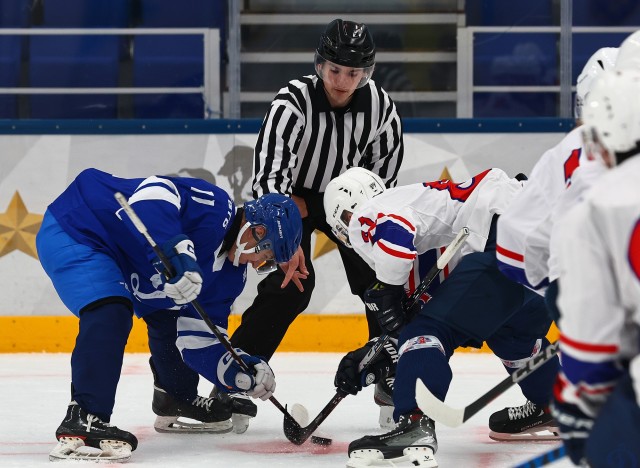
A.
pixel 445 174
pixel 324 245
pixel 18 228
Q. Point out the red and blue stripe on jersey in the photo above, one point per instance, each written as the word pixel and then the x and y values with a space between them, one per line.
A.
pixel 393 234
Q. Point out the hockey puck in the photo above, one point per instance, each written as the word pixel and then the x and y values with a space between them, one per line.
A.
pixel 320 440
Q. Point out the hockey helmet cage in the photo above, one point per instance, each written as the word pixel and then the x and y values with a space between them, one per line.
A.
pixel 343 195
pixel 281 218
pixel 602 60
pixel 611 117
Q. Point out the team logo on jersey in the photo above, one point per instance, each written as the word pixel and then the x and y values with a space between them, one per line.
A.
pixel 368 229
pixel 461 191
pixel 571 164
pixel 634 249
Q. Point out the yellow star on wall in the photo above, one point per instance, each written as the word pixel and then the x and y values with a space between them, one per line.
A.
pixel 18 228
pixel 324 245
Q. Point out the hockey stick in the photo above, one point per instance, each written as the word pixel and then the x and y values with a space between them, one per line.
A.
pixel 431 275
pixel 544 459
pixel 454 417
pixel 142 229
pixel 296 433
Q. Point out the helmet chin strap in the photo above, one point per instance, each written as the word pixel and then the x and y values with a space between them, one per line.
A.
pixel 240 247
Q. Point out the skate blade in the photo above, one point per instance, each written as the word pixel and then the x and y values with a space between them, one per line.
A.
pixel 412 456
pixel 534 434
pixel 176 425
pixel 73 448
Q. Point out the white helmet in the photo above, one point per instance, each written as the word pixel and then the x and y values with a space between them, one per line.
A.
pixel 343 195
pixel 611 117
pixel 602 60
pixel 629 54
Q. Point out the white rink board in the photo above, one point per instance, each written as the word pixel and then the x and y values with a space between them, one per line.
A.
pixel 40 167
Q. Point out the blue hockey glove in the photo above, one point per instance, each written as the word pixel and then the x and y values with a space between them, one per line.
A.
pixel 350 380
pixel 186 282
pixel 575 427
pixel 385 301
pixel 260 384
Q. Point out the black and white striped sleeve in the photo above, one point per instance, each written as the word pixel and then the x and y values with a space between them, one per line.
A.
pixel 275 154
pixel 387 148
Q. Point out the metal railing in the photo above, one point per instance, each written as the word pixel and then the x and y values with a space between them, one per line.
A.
pixel 210 88
pixel 466 86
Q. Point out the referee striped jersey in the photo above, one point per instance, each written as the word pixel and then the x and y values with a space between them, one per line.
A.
pixel 304 143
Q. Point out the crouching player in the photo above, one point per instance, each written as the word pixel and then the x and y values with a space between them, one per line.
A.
pixel 475 304
pixel 105 271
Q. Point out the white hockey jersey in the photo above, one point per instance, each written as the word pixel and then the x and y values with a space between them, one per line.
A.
pixel 524 229
pixel 599 293
pixel 391 229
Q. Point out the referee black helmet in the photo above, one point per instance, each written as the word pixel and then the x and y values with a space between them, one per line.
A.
pixel 348 44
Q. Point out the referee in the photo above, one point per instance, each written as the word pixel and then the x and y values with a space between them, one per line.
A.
pixel 317 127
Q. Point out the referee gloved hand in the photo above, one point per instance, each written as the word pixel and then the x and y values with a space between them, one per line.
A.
pixel 186 282
pixel 385 301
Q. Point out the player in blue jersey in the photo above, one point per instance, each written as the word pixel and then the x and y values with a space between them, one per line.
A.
pixel 105 271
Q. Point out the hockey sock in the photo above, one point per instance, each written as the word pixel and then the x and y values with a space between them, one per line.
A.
pixel 538 387
pixel 96 361
pixel 170 372
pixel 426 363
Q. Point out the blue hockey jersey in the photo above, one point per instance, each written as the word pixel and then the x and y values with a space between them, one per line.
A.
pixel 88 211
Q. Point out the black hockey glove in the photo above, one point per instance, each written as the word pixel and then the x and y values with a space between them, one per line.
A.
pixel 350 380
pixel 385 301
pixel 575 427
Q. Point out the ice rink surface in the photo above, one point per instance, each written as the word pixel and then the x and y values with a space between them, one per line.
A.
pixel 34 390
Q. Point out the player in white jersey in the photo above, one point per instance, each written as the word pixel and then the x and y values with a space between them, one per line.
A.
pixel 597 393
pixel 524 229
pixel 475 304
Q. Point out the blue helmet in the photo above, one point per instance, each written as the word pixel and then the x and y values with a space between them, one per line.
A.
pixel 280 216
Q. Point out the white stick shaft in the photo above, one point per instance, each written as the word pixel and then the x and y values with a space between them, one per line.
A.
pixel 137 222
pixel 453 247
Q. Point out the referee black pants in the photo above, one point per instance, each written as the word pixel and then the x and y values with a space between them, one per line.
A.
pixel 266 321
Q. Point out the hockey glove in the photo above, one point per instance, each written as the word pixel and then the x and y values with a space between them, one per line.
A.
pixel 575 427
pixel 261 383
pixel 350 380
pixel 385 301
pixel 186 282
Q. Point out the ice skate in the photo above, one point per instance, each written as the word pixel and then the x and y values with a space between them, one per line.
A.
pixel 383 397
pixel 526 422
pixel 242 408
pixel 412 441
pixel 202 415
pixel 83 436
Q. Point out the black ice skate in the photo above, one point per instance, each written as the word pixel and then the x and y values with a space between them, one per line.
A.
pixel 202 415
pixel 242 408
pixel 383 397
pixel 413 440
pixel 83 436
pixel 526 422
